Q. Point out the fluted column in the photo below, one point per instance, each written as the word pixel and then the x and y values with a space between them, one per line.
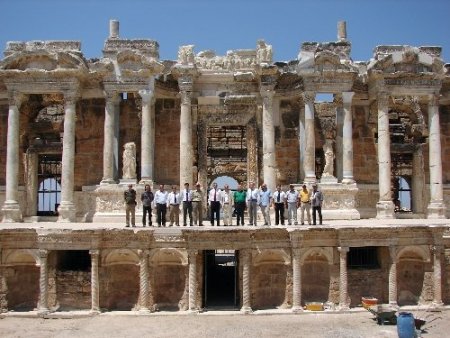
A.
pixel 268 129
pixel 347 139
pixel 246 291
pixel 66 209
pixel 385 206
pixel 297 281
pixel 436 207
pixel 144 286
pixel 393 276
pixel 437 276
pixel 193 283
pixel 343 280
pixel 112 99
pixel 186 153
pixel 95 298
pixel 310 144
pixel 147 144
pixel 43 281
pixel 11 208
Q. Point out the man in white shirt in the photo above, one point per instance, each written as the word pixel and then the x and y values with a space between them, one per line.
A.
pixel 227 202
pixel 252 203
pixel 186 196
pixel 214 203
pixel 161 205
pixel 265 200
pixel 279 200
pixel 173 202
pixel 292 202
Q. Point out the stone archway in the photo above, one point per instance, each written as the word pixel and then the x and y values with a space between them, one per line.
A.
pixel 411 276
pixel 316 275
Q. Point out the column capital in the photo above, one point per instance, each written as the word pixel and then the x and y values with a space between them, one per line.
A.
pixel 142 253
pixel 383 99
pixel 436 249
pixel 433 99
pixel 347 97
pixel 393 253
pixel 94 253
pixel 111 96
pixel 296 252
pixel 337 100
pixel 309 97
pixel 343 249
pixel 43 253
pixel 192 253
pixel 147 95
pixel 15 98
pixel 71 96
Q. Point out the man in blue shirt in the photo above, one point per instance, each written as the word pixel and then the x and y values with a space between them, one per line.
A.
pixel 265 199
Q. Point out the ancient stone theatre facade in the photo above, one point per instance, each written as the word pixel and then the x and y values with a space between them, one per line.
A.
pixel 74 132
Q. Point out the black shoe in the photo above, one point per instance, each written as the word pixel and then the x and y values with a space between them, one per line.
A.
pixel 127 226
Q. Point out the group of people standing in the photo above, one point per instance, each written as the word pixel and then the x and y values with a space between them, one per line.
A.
pixel 231 203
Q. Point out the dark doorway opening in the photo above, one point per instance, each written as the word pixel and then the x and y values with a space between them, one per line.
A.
pixel 221 276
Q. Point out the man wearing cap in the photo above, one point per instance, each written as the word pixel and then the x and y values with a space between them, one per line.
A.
pixel 292 202
pixel 130 205
pixel 197 208
pixel 305 205
pixel 316 201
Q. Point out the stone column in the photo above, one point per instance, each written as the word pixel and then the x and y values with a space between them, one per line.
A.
pixel 147 144
pixel 268 130
pixel 95 298
pixel 343 281
pixel 385 206
pixel 11 208
pixel 296 281
pixel 437 276
pixel 43 281
pixel 301 141
pixel 246 291
pixel 347 139
pixel 339 135
pixel 112 99
pixel 436 207
pixel 252 152
pixel 66 209
pixel 186 153
pixel 310 144
pixel 393 276
pixel 193 283
pixel 144 286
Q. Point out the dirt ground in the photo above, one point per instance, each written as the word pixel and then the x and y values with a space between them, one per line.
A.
pixel 346 325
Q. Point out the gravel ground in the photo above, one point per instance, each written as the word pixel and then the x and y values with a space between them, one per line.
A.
pixel 347 325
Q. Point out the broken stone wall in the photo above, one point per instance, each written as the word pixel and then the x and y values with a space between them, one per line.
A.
pixel 167 141
pixel 170 285
pixel 73 289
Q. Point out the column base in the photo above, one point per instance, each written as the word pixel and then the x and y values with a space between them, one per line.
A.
pixel 328 179
pixel 436 210
pixel 393 305
pixel 107 181
pixel 343 307
pixel 310 180
pixel 11 212
pixel 297 309
pixel 385 210
pixel 246 310
pixel 145 180
pixel 95 312
pixel 437 305
pixel 194 311
pixel 348 181
pixel 43 311
pixel 144 311
pixel 127 181
pixel 66 212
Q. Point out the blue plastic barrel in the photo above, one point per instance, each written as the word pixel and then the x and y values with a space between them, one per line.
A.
pixel 405 325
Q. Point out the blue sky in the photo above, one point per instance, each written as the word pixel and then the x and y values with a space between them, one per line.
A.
pixel 230 24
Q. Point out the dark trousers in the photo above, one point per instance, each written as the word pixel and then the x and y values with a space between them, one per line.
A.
pixel 145 211
pixel 319 210
pixel 187 209
pixel 161 210
pixel 215 209
pixel 279 213
pixel 239 207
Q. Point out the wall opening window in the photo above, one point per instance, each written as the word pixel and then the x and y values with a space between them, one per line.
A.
pixel 363 258
pixel 49 190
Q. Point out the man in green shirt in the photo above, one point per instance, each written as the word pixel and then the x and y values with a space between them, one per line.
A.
pixel 239 204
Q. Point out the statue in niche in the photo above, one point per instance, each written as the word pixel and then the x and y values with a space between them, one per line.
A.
pixel 129 160
pixel 186 54
pixel 329 159
pixel 264 52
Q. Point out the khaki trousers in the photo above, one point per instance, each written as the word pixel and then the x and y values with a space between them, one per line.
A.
pixel 174 214
pixel 130 209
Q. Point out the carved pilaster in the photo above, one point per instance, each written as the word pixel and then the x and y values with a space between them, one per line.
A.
pixel 95 291
pixel 393 276
pixel 143 281
pixel 343 279
pixel 193 283
pixel 437 276
pixel 246 291
pixel 297 281
pixel 252 152
pixel 43 281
